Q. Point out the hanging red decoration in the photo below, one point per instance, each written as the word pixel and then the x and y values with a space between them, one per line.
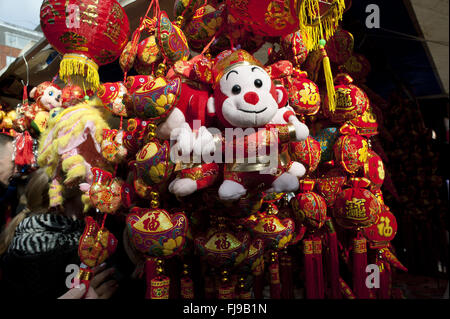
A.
pixel 88 33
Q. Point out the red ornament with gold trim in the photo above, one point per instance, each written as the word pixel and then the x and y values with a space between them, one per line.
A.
pixel 309 208
pixel 381 233
pixel 340 46
pixel 307 152
pixel 304 94
pixel 351 150
pixel 351 101
pixel 356 207
pixel 374 170
pixel 88 33
pixel 367 123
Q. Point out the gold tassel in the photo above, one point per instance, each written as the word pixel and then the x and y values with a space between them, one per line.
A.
pixel 75 65
pixel 331 93
pixel 314 27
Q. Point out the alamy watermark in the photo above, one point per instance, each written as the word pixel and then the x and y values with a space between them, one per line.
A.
pixel 373 19
pixel 231 146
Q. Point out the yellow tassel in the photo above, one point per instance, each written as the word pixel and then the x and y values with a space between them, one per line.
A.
pixel 314 27
pixel 331 93
pixel 73 65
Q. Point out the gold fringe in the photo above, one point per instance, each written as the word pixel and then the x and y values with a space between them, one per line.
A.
pixel 72 66
pixel 312 25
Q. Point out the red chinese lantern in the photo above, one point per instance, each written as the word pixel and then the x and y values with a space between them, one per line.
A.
pixel 88 33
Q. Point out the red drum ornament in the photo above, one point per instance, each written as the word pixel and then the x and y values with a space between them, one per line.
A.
pixel 351 101
pixel 356 207
pixel 88 33
pixel 307 152
pixel 310 208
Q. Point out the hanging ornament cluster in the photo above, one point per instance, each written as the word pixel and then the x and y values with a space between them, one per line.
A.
pixel 244 219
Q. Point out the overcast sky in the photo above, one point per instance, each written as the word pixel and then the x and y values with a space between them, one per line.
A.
pixel 23 13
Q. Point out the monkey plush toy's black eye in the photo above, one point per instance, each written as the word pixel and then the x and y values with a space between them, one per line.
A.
pixel 236 89
pixel 258 83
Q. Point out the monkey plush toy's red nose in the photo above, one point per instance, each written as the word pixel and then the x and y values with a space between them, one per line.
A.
pixel 251 98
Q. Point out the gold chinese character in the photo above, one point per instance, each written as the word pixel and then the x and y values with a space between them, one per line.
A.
pixel 355 208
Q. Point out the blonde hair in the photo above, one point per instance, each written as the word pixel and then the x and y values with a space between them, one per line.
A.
pixel 37 202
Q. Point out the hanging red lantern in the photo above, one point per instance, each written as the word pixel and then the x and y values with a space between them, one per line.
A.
pixel 88 33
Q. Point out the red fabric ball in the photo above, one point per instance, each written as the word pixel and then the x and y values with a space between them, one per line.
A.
pixel 356 207
pixel 307 152
pixel 304 95
pixel 351 101
pixel 382 232
pixel 351 152
pixel 309 207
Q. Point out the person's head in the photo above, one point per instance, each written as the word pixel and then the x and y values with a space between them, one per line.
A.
pixel 37 202
pixel 7 166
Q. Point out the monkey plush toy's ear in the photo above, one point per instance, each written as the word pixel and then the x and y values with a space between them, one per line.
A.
pixel 282 96
pixel 33 92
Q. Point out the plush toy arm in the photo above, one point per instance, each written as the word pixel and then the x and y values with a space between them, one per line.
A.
pixel 301 130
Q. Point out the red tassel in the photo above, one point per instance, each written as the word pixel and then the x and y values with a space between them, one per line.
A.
pixel 24 149
pixel 258 281
pixel 317 257
pixel 210 289
pixel 359 267
pixel 345 289
pixel 310 279
pixel 274 270
pixel 333 261
pixel 150 273
pixel 392 259
pixel 187 288
pixel 384 290
pixel 287 288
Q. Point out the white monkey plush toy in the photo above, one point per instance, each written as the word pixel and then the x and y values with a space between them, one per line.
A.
pixel 245 97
